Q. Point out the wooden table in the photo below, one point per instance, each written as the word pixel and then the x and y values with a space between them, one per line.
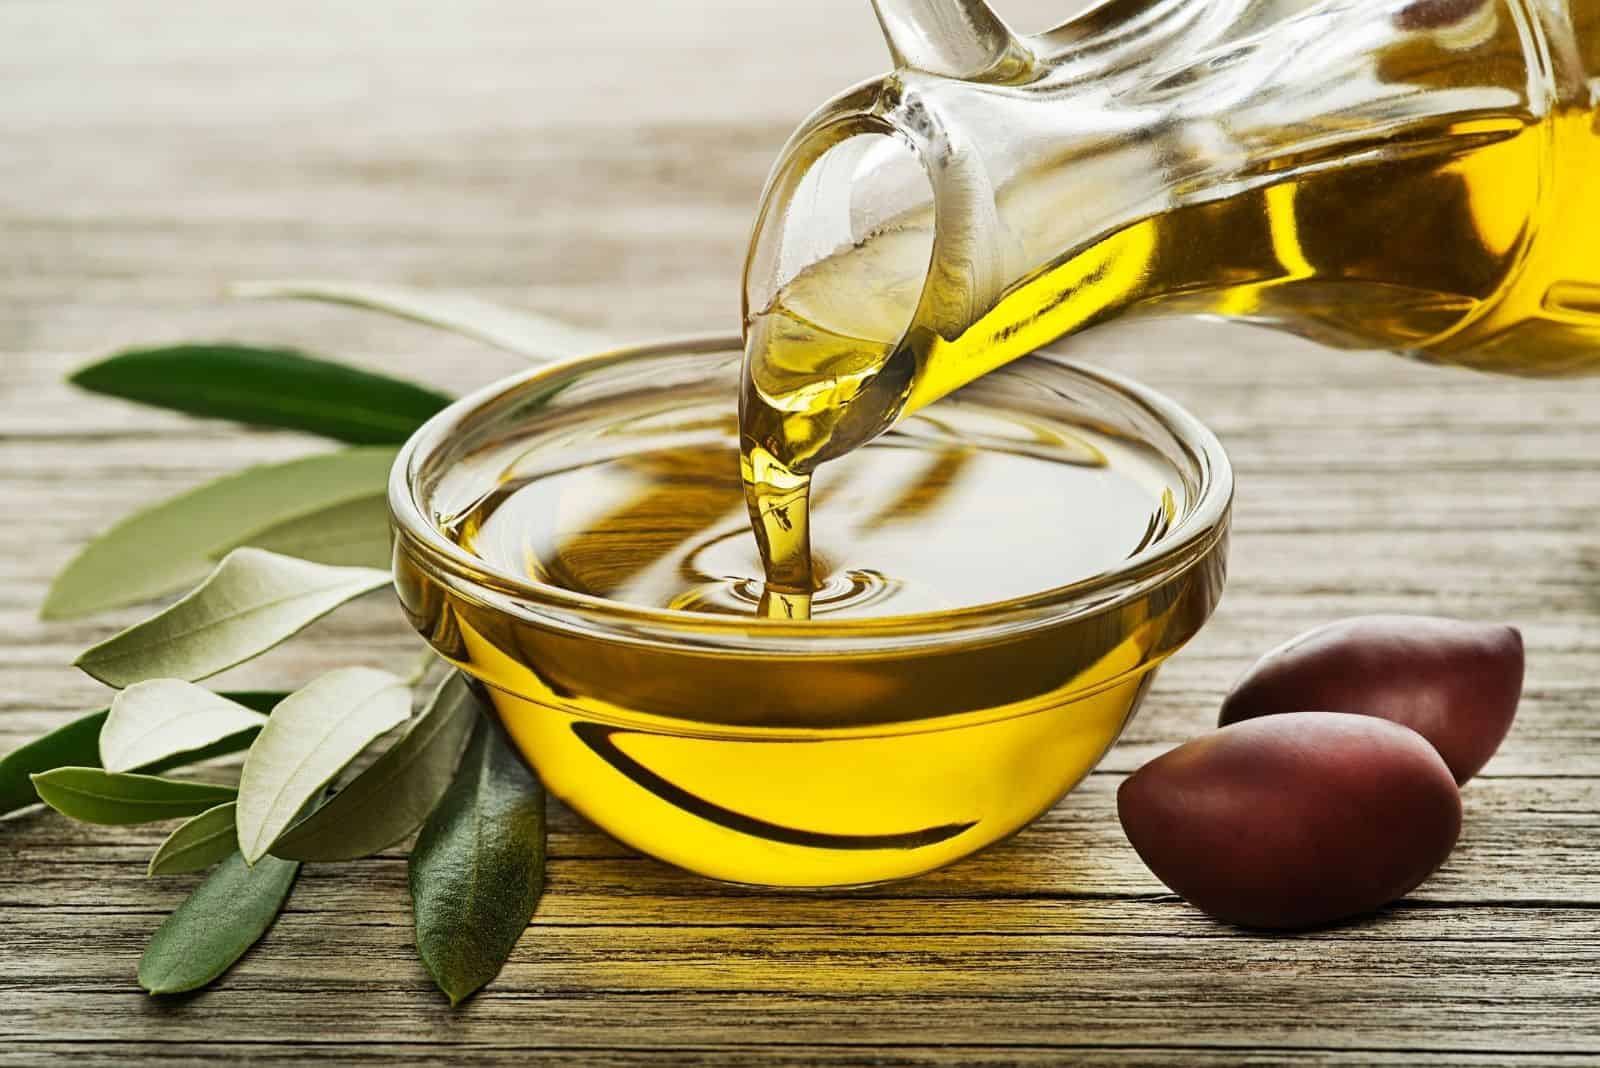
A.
pixel 601 162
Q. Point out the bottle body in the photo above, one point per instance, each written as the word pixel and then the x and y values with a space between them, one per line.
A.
pixel 1485 256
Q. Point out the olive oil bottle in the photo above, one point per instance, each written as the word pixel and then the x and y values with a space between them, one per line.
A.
pixel 1422 177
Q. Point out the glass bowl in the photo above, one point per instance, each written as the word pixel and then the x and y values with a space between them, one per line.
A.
pixel 800 754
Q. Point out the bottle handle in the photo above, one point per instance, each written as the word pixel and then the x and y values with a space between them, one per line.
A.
pixel 961 39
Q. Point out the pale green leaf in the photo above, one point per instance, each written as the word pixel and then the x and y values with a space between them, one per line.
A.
pixel 161 719
pixel 92 795
pixel 253 601
pixel 522 332
pixel 395 794
pixel 348 534
pixel 199 843
pixel 226 915
pixel 310 738
pixel 173 544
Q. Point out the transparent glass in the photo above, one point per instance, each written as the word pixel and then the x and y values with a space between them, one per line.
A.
pixel 1415 175
pixel 828 753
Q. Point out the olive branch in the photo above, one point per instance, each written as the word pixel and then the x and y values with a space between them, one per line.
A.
pixel 274 548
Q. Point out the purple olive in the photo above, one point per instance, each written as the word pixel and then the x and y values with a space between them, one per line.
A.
pixel 1294 821
pixel 1455 683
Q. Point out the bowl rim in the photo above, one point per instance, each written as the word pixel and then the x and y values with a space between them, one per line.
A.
pixel 1197 535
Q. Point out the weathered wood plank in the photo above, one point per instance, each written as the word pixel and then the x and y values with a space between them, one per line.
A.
pixel 905 1056
pixel 1271 1003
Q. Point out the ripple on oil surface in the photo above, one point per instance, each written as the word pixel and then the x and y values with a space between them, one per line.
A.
pixel 940 515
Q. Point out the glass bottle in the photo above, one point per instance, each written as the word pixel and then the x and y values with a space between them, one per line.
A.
pixel 1415 175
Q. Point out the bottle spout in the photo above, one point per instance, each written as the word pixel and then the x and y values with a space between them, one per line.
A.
pixel 962 39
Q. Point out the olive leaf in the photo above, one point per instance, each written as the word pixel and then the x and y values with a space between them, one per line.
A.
pixel 92 795
pixel 253 601
pixel 198 843
pixel 310 738
pixel 74 743
pixel 255 700
pixel 347 534
pixel 477 869
pixel 512 329
pixel 165 718
pixel 272 387
pixel 174 543
pixel 77 744
pixel 395 794
pixel 226 915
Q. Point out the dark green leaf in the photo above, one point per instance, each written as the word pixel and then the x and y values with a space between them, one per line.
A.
pixel 252 602
pixel 477 869
pixel 95 796
pixel 77 744
pixel 260 700
pixel 267 387
pixel 200 842
pixel 175 543
pixel 226 915
pixel 522 332
pixel 396 792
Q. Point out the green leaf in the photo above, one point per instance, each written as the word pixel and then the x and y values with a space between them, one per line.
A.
pixel 95 796
pixel 348 534
pixel 226 915
pixel 477 869
pixel 512 329
pixel 77 744
pixel 396 792
pixel 259 701
pixel 309 740
pixel 198 843
pixel 267 387
pixel 253 601
pixel 168 718
pixel 255 700
pixel 174 544
pixel 263 701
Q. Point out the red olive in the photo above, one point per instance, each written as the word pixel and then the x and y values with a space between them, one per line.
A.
pixel 1294 821
pixel 1455 683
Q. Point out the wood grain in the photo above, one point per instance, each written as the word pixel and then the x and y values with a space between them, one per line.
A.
pixel 601 161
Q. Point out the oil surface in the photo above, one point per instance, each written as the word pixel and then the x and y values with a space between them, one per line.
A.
pixel 970 508
pixel 1474 243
